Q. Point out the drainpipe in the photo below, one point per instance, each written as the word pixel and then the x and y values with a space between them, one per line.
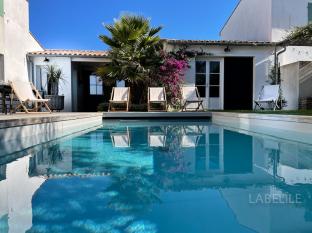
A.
pixel 276 60
pixel 276 65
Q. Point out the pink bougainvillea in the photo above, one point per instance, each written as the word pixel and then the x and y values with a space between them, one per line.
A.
pixel 170 75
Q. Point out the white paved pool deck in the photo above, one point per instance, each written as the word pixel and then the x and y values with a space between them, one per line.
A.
pixel 290 127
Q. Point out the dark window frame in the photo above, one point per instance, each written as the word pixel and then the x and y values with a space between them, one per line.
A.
pixel 98 84
pixel 204 74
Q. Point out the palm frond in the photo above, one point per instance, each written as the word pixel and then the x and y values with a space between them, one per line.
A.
pixel 134 49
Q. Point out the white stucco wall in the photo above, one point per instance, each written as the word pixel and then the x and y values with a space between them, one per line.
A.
pixel 262 60
pixel 251 20
pixel 17 40
pixel 1 35
pixel 287 14
pixel 290 85
pixel 65 88
pixel 265 20
pixel 294 54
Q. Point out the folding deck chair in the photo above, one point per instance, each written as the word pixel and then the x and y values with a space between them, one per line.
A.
pixel 268 95
pixel 157 95
pixel 24 91
pixel 119 96
pixel 157 138
pixel 191 99
pixel 120 139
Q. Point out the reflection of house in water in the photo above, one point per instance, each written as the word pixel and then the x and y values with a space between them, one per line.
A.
pixel 197 162
pixel 290 161
pixel 290 165
pixel 217 151
pixel 16 193
pixel 242 167
pixel 51 159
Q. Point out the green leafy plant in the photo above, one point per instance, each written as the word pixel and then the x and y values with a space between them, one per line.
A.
pixel 275 79
pixel 55 77
pixel 299 36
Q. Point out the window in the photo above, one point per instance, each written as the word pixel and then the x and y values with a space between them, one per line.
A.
pixel 309 13
pixel 41 78
pixel 200 81
pixel 96 85
pixel 214 79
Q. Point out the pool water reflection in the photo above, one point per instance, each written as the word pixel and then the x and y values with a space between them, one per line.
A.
pixel 171 177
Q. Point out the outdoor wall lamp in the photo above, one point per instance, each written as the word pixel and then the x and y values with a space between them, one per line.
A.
pixel 46 59
pixel 227 49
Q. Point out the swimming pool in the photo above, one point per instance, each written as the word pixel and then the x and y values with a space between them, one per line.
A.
pixel 153 176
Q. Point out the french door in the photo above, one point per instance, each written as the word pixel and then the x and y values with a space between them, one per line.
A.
pixel 208 80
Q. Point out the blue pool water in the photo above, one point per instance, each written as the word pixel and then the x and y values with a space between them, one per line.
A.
pixel 158 177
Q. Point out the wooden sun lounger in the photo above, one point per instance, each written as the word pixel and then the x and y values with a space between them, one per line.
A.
pixel 268 95
pixel 120 96
pixel 24 91
pixel 190 95
pixel 157 95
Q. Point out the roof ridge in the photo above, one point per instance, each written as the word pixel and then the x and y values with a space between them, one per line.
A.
pixel 71 52
pixel 93 50
pixel 231 15
pixel 222 42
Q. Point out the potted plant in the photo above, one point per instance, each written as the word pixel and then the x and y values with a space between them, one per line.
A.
pixel 54 78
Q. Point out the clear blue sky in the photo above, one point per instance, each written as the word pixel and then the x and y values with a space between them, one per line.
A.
pixel 76 24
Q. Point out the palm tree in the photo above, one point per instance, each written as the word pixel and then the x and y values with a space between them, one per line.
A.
pixel 134 50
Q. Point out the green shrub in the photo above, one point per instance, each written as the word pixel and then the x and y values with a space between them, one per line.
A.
pixel 102 107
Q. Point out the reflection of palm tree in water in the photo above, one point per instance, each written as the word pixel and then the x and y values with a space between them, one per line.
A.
pixel 55 154
pixel 172 155
pixel 134 190
pixel 49 156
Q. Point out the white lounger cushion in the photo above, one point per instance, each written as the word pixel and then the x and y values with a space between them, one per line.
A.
pixel 121 140
pixel 189 93
pixel 24 91
pixel 189 141
pixel 157 140
pixel 269 93
pixel 121 94
pixel 157 94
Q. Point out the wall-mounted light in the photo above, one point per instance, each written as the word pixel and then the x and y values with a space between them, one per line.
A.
pixel 227 49
pixel 46 59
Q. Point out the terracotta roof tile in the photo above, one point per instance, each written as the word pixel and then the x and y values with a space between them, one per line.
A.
pixel 71 53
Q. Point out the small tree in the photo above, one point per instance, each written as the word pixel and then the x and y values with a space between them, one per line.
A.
pixel 134 50
pixel 275 79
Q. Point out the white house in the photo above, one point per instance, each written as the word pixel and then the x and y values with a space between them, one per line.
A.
pixel 229 73
pixel 272 20
pixel 83 91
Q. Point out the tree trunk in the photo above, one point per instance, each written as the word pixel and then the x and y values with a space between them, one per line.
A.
pixel 138 93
